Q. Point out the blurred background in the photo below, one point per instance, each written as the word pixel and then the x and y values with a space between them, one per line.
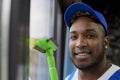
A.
pixel 21 20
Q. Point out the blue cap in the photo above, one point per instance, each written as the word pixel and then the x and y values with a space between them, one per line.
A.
pixel 82 7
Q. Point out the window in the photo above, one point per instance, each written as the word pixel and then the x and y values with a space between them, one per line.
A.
pixel 41 18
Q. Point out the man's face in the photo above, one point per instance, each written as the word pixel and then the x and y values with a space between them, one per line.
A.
pixel 87 43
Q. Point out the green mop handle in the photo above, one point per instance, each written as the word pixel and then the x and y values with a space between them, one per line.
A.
pixel 51 64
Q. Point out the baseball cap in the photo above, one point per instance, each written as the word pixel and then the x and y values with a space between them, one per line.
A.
pixel 82 7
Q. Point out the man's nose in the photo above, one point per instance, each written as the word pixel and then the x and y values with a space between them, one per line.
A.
pixel 81 42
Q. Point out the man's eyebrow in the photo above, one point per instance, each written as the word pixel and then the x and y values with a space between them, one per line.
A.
pixel 90 30
pixel 73 32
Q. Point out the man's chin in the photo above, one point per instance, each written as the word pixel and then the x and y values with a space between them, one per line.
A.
pixel 85 67
pixel 82 67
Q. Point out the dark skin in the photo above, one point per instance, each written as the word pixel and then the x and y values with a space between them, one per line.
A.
pixel 87 48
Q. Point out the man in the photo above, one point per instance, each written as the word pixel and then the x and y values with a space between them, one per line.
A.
pixel 88 44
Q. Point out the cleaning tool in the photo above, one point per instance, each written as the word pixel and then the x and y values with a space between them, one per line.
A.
pixel 48 46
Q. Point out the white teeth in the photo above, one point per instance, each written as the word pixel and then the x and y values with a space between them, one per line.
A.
pixel 83 54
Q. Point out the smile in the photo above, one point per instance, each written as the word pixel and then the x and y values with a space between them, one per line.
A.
pixel 82 55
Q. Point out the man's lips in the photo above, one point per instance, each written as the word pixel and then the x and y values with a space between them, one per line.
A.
pixel 82 53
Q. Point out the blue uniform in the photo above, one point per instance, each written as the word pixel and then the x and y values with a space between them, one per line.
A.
pixel 113 73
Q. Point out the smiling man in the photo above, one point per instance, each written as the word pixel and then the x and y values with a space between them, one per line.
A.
pixel 88 44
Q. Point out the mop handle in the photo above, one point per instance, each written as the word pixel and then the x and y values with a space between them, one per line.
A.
pixel 51 65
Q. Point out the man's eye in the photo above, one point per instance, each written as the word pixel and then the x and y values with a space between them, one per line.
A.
pixel 73 37
pixel 91 36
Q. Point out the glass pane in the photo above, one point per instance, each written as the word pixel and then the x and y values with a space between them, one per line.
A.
pixel 40 19
pixel 40 27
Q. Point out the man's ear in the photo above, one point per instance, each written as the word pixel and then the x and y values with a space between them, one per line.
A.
pixel 106 42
